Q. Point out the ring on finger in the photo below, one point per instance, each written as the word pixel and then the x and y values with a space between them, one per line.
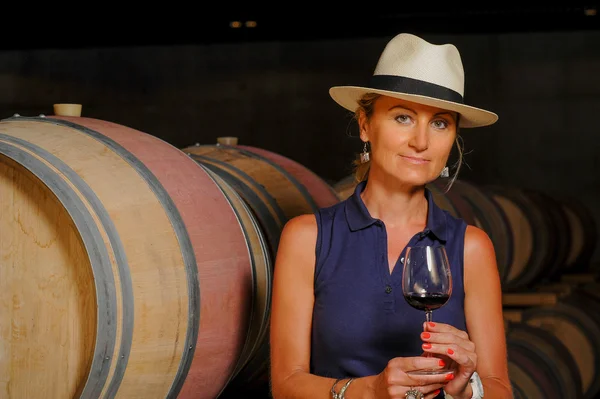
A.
pixel 414 393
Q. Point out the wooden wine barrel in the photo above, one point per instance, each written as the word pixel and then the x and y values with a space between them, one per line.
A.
pixel 273 192
pixel 582 230
pixel 323 194
pixel 575 322
pixel 275 189
pixel 560 242
pixel 550 236
pixel 125 269
pixel 540 365
pixel 261 278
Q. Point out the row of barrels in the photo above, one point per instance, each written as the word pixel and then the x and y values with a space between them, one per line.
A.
pixel 131 268
pixel 554 349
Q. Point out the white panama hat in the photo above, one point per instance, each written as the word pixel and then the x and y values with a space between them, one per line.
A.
pixel 413 69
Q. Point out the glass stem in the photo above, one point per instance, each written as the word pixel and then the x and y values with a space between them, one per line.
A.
pixel 428 319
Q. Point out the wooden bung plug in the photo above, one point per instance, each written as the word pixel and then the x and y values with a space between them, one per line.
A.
pixel 227 140
pixel 67 109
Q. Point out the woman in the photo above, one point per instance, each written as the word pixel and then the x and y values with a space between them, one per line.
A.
pixel 340 326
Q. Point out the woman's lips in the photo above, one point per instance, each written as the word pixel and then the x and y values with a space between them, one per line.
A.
pixel 415 160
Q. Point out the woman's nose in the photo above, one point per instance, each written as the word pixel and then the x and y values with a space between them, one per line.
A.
pixel 419 141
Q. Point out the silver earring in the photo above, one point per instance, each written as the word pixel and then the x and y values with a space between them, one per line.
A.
pixel 445 172
pixel 365 156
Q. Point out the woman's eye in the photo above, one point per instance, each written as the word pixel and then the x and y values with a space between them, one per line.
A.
pixel 440 124
pixel 403 118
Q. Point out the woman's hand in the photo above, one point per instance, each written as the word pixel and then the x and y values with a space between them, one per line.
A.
pixel 453 344
pixel 394 382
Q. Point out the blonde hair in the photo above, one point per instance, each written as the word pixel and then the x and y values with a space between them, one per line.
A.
pixel 366 104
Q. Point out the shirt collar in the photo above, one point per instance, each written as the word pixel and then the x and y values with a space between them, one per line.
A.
pixel 358 216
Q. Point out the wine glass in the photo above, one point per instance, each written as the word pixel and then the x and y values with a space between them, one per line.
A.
pixel 427 284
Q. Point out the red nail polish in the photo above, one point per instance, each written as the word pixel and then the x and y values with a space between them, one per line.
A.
pixel 431 324
pixel 449 377
pixel 427 346
pixel 442 363
pixel 436 393
pixel 426 335
pixel 450 351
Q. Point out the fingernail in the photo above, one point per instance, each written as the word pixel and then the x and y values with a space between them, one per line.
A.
pixel 431 324
pixel 450 351
pixel 427 346
pixel 426 335
pixel 442 363
pixel 449 377
pixel 436 393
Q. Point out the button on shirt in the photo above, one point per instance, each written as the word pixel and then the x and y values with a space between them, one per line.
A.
pixel 361 319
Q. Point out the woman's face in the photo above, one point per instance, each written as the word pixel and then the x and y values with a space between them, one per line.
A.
pixel 409 141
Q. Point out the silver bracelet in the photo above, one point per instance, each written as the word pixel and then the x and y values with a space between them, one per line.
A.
pixel 343 390
pixel 334 395
pixel 340 395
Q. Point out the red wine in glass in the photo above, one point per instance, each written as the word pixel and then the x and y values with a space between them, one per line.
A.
pixel 427 283
pixel 428 301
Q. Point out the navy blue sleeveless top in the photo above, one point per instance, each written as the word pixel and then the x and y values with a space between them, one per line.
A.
pixel 361 319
